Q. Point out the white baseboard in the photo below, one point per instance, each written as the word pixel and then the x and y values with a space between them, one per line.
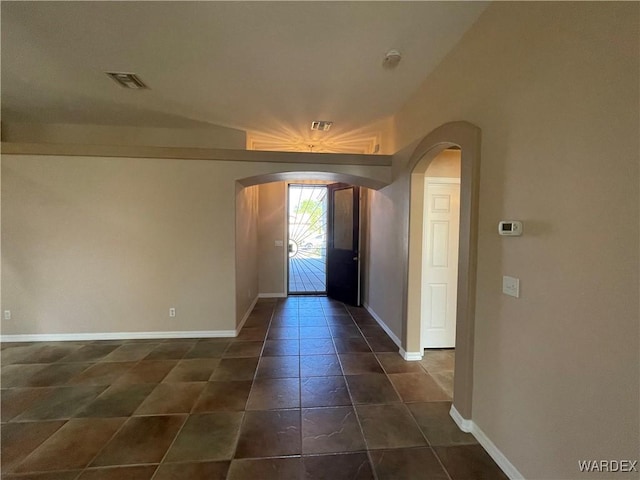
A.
pixel 467 425
pixel 66 337
pixel 410 356
pixel 384 326
pixel 464 424
pixel 272 295
pixel 246 315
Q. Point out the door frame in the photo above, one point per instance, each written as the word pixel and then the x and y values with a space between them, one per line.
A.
pixel 287 268
pixel 436 181
pixel 467 137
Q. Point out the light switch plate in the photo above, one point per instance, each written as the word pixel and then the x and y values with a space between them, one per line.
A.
pixel 511 286
pixel 279 243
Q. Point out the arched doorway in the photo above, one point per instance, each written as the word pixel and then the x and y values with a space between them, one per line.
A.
pixel 261 234
pixel 465 136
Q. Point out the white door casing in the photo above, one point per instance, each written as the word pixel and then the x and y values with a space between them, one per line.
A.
pixel 440 262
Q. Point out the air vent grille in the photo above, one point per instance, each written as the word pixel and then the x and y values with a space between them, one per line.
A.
pixel 321 125
pixel 127 80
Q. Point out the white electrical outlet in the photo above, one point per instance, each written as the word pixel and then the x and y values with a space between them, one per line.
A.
pixel 279 243
pixel 172 312
pixel 7 314
pixel 511 286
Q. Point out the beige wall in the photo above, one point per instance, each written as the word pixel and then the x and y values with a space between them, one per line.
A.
pixel 446 164
pixel 108 245
pixel 554 88
pixel 271 227
pixel 95 245
pixel 246 248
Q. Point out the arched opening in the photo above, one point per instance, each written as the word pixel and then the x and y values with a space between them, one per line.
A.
pixel 466 137
pixel 263 237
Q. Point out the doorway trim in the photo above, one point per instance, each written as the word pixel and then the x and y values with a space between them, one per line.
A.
pixel 467 137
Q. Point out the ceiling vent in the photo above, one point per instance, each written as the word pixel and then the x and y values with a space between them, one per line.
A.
pixel 127 80
pixel 321 125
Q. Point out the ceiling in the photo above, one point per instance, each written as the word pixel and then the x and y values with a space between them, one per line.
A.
pixel 267 68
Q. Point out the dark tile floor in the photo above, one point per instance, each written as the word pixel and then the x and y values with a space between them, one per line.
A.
pixel 308 390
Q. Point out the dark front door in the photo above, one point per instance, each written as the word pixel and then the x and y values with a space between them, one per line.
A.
pixel 343 260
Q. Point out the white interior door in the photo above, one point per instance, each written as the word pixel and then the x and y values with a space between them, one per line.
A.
pixel 440 262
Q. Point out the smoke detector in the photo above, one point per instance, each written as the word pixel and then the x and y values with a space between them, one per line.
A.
pixel 391 59
pixel 321 125
pixel 127 80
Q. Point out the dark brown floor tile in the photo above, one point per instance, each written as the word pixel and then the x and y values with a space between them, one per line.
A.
pixel 89 353
pixel 407 464
pixel 250 334
pixel 101 373
pixel 335 309
pixel 223 396
pixel 389 426
pixel 273 393
pixel 18 375
pixel 117 401
pixel 14 401
pixel 331 430
pixel 20 439
pixel 311 309
pixel 345 331
pixel 56 374
pixel 351 345
pixel 344 320
pixel 280 347
pixel 139 472
pixel 278 367
pixel 171 398
pixel 288 468
pixel 141 440
pixel 37 353
pixel 371 388
pixel 148 371
pixel 314 332
pixel 324 392
pixel 418 387
pixel 193 471
pixel 394 363
pixel 289 321
pixel 382 344
pixel 170 351
pixel 469 462
pixel 130 352
pixel 72 446
pixel 206 436
pixel 364 320
pixel 269 434
pixel 316 346
pixel 63 402
pixel 319 365
pixel 313 322
pixel 235 369
pixel 192 370
pixel 373 331
pixel 65 475
pixel 208 349
pixel 259 322
pixel 437 425
pixel 359 363
pixel 281 333
pixel 350 466
pixel 243 349
pixel 438 360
